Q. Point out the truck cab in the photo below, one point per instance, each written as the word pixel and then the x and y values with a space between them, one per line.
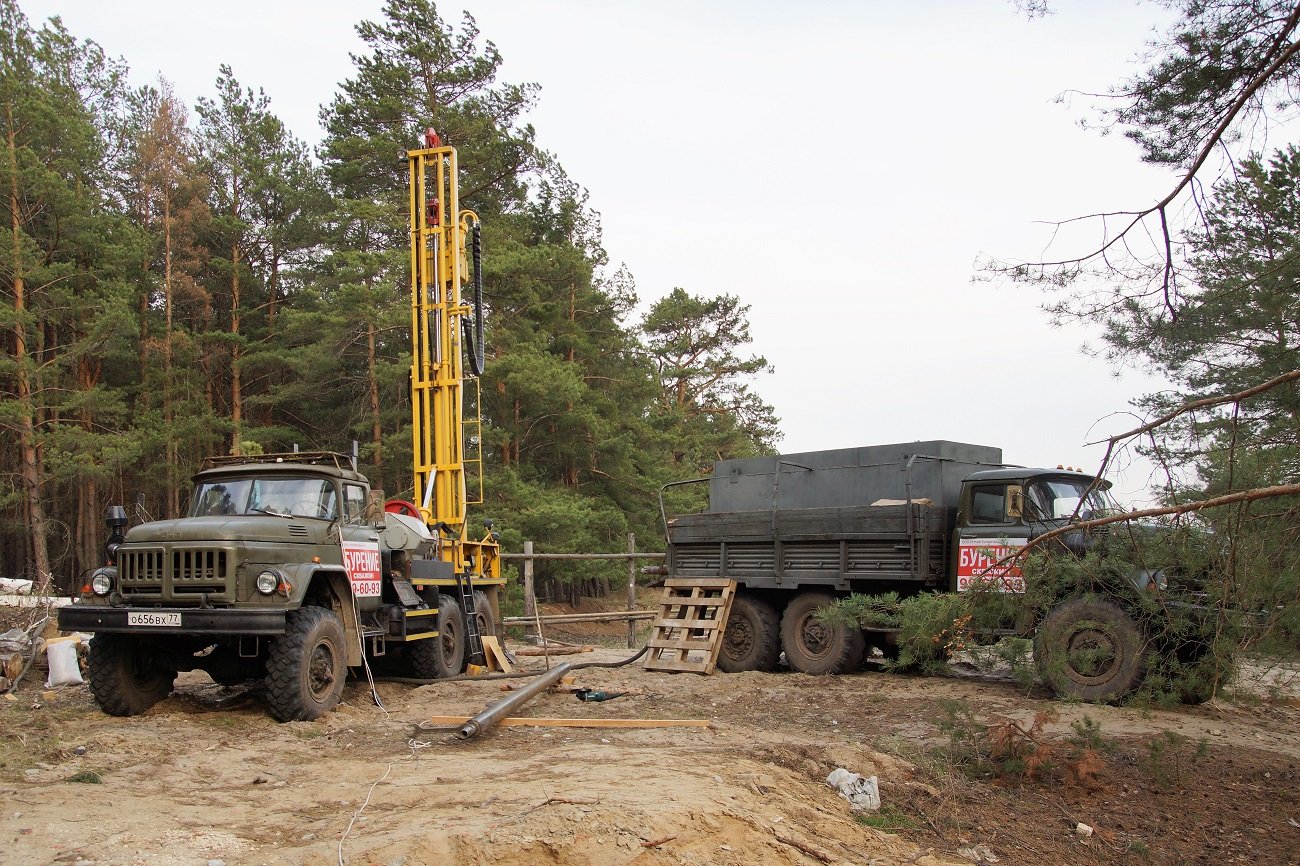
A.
pixel 258 537
pixel 1000 510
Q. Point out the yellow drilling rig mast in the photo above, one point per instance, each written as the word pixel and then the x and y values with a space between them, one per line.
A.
pixel 447 332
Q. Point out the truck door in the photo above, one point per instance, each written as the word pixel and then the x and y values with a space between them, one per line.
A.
pixel 989 529
pixel 360 541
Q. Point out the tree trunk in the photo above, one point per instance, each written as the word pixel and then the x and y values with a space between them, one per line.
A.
pixel 376 430
pixel 30 468
pixel 273 293
pixel 169 410
pixel 236 385
pixel 87 526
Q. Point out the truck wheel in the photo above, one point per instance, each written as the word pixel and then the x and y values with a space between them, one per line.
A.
pixel 122 679
pixel 483 616
pixel 814 647
pixel 1089 649
pixel 451 638
pixel 443 656
pixel 306 667
pixel 752 639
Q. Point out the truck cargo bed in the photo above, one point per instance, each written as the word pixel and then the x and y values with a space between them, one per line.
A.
pixel 844 548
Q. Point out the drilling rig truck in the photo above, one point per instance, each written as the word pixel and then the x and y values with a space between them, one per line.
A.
pixel 289 568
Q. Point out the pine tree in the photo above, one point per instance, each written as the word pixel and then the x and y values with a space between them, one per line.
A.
pixel 168 197
pixel 62 275
pixel 706 404
pixel 419 71
pixel 264 193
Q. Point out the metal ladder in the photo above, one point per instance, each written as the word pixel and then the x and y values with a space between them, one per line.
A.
pixel 473 639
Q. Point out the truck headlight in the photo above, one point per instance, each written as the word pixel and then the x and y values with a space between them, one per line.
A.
pixel 101 582
pixel 267 581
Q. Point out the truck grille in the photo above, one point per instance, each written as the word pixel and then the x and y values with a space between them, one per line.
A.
pixel 177 573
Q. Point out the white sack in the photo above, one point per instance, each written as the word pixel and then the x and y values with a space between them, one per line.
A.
pixel 64 670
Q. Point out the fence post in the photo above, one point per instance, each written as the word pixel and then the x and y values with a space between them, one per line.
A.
pixel 530 600
pixel 631 588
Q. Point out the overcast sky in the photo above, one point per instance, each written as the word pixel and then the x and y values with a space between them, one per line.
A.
pixel 839 165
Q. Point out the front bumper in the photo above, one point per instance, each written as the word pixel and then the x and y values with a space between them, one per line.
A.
pixel 232 621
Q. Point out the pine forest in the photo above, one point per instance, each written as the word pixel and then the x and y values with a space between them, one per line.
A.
pixel 187 281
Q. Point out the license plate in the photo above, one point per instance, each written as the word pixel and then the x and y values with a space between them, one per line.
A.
pixel 162 620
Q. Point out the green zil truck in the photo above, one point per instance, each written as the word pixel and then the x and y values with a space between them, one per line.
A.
pixel 798 531
pixel 287 571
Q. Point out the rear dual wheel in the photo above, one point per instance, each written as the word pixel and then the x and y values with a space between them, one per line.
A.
pixel 445 655
pixel 751 640
pixel 442 656
pixel 813 646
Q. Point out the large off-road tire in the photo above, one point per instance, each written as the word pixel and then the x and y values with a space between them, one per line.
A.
pixel 452 640
pixel 423 659
pixel 1089 649
pixel 443 656
pixel 811 645
pixel 752 639
pixel 306 667
pixel 483 615
pixel 123 680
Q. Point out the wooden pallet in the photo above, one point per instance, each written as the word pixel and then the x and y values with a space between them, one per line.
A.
pixel 687 635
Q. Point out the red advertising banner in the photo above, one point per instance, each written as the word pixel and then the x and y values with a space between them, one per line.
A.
pixel 979 565
pixel 361 559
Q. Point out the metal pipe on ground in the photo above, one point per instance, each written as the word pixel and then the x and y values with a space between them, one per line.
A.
pixel 502 708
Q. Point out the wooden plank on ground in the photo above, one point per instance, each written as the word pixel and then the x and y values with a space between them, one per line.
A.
pixel 495 656
pixel 555 651
pixel 543 722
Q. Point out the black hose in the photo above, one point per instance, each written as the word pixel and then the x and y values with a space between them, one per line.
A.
pixel 473 331
pixel 420 681
pixel 627 661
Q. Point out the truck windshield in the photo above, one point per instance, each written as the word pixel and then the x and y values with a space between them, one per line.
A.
pixel 286 497
pixel 1057 498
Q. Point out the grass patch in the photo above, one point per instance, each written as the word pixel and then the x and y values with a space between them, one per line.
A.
pixel 86 777
pixel 890 818
pixel 308 731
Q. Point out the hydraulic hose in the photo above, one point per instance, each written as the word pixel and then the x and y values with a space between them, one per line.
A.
pixel 473 331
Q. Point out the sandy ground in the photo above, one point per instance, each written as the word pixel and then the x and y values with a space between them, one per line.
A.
pixel 207 775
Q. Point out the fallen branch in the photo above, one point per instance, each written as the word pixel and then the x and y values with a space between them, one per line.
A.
pixel 657 842
pixel 800 845
pixel 1214 502
pixel 569 801
pixel 1188 507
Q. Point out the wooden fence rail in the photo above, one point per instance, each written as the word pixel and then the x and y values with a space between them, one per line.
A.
pixel 632 615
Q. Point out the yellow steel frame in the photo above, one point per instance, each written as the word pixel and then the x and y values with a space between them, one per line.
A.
pixel 439 271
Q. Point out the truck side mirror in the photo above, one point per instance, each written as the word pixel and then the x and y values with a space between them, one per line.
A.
pixel 1015 500
pixel 374 510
